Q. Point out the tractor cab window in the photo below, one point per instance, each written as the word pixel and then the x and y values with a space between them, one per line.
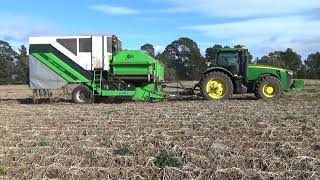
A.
pixel 230 61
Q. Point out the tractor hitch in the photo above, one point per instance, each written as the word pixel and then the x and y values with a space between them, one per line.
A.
pixel 179 90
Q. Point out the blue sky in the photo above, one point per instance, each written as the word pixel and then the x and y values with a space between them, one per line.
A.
pixel 263 25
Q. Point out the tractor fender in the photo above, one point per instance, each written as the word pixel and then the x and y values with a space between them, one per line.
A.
pixel 221 69
pixel 266 75
pixel 261 77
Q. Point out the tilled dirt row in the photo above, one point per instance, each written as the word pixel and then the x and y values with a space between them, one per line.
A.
pixel 211 140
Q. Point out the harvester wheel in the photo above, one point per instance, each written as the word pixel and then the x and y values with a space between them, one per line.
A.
pixel 82 95
pixel 216 86
pixel 269 88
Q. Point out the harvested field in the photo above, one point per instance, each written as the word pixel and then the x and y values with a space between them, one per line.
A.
pixel 241 138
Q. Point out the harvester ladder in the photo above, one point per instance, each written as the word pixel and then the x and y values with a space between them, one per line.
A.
pixel 97 80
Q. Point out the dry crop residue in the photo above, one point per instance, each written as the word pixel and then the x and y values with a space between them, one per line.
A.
pixel 240 138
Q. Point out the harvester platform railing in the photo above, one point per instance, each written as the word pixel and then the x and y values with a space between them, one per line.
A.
pixel 98 79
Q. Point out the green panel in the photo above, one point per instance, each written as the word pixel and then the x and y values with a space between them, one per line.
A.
pixel 132 57
pixel 159 71
pixel 54 68
pixel 130 63
pixel 132 70
pixel 298 84
pixel 113 93
pixel 149 92
pixel 266 67
pixel 144 93
pixel 61 68
pixel 255 72
pixel 68 68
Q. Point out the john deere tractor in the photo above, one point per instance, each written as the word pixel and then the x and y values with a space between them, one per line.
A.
pixel 230 73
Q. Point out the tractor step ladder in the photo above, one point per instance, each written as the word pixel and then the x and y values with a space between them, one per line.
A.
pixel 97 80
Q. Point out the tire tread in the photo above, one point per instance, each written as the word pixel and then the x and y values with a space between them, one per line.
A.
pixel 85 88
pixel 204 80
pixel 258 88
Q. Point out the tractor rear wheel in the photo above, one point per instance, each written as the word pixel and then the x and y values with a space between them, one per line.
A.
pixel 216 86
pixel 82 95
pixel 269 88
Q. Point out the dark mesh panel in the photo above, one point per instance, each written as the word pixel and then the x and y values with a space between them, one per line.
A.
pixel 85 45
pixel 109 44
pixel 70 44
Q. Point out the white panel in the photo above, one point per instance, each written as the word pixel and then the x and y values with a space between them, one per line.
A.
pixel 49 40
pixel 97 52
pixel 42 40
pixel 84 60
pixel 99 58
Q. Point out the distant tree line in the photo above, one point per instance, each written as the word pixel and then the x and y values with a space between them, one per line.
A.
pixel 182 60
pixel 14 68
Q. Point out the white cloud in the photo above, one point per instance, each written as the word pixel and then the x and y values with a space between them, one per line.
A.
pixel 159 49
pixel 265 34
pixel 243 8
pixel 114 10
pixel 16 29
pixel 262 25
pixel 153 19
pixel 172 10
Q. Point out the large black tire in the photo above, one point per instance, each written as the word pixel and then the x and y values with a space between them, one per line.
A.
pixel 82 95
pixel 261 90
pixel 216 75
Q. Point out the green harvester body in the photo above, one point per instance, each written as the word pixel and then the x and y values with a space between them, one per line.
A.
pixel 131 64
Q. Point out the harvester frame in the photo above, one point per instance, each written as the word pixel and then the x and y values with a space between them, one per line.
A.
pixel 105 71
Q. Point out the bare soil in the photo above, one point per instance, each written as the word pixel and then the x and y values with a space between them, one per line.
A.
pixel 242 138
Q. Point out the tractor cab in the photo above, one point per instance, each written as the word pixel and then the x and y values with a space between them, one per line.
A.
pixel 235 60
pixel 229 73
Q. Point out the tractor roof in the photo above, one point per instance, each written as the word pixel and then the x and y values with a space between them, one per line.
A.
pixel 231 49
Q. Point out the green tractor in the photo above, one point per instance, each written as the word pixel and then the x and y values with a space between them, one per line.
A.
pixel 230 73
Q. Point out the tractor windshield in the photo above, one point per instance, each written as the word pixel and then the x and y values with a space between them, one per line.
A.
pixel 230 61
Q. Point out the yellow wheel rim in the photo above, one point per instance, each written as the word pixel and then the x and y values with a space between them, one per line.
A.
pixel 269 90
pixel 216 88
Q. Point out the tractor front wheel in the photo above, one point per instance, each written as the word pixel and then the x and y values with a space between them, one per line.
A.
pixel 269 88
pixel 216 86
pixel 82 95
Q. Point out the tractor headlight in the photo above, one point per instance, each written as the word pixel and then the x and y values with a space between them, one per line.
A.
pixel 290 73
